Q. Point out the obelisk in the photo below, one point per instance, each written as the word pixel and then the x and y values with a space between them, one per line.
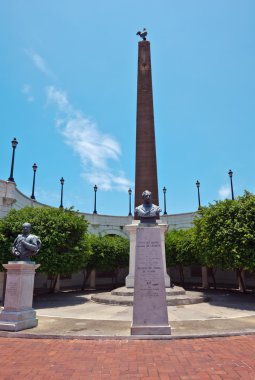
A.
pixel 146 162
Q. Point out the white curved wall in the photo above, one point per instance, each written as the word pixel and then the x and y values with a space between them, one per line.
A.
pixel 11 197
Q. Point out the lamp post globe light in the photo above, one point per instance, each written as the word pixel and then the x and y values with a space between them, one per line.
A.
pixel 198 193
pixel 14 145
pixel 129 193
pixel 164 191
pixel 230 173
pixel 62 181
pixel 34 167
pixel 95 200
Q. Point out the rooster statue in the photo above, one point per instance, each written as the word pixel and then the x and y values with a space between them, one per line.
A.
pixel 142 34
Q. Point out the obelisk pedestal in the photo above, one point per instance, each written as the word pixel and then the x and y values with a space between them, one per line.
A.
pixel 18 313
pixel 150 307
pixel 131 228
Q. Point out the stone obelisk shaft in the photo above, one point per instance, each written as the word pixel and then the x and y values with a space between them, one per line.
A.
pixel 146 162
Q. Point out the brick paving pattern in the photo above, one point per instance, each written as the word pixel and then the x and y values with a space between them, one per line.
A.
pixel 187 359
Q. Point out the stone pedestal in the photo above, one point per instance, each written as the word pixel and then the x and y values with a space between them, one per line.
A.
pixel 1 286
pixel 18 313
pixel 131 228
pixel 150 307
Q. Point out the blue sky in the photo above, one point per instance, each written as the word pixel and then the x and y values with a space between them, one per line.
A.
pixel 68 74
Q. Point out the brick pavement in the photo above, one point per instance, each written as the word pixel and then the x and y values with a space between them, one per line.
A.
pixel 206 359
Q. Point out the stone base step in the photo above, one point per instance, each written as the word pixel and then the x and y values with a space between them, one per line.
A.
pixel 127 300
pixel 124 291
pixel 18 320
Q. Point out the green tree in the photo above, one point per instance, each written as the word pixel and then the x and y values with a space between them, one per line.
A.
pixel 180 249
pixel 65 245
pixel 108 253
pixel 225 235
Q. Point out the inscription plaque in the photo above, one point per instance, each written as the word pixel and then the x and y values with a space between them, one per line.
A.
pixel 150 308
pixel 12 288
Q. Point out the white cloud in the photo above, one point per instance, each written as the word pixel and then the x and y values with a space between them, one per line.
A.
pixel 224 191
pixel 94 148
pixel 108 180
pixel 59 98
pixel 27 91
pixel 40 63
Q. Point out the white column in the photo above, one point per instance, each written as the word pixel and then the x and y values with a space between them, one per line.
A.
pixel 131 228
pixel 92 279
pixel 163 229
pixel 57 287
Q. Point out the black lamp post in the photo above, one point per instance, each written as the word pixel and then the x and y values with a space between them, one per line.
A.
pixel 198 193
pixel 34 167
pixel 129 193
pixel 230 173
pixel 95 200
pixel 62 181
pixel 164 191
pixel 14 145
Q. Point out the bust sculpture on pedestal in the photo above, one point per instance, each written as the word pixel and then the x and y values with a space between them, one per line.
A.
pixel 147 212
pixel 26 245
pixel 18 313
pixel 150 306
